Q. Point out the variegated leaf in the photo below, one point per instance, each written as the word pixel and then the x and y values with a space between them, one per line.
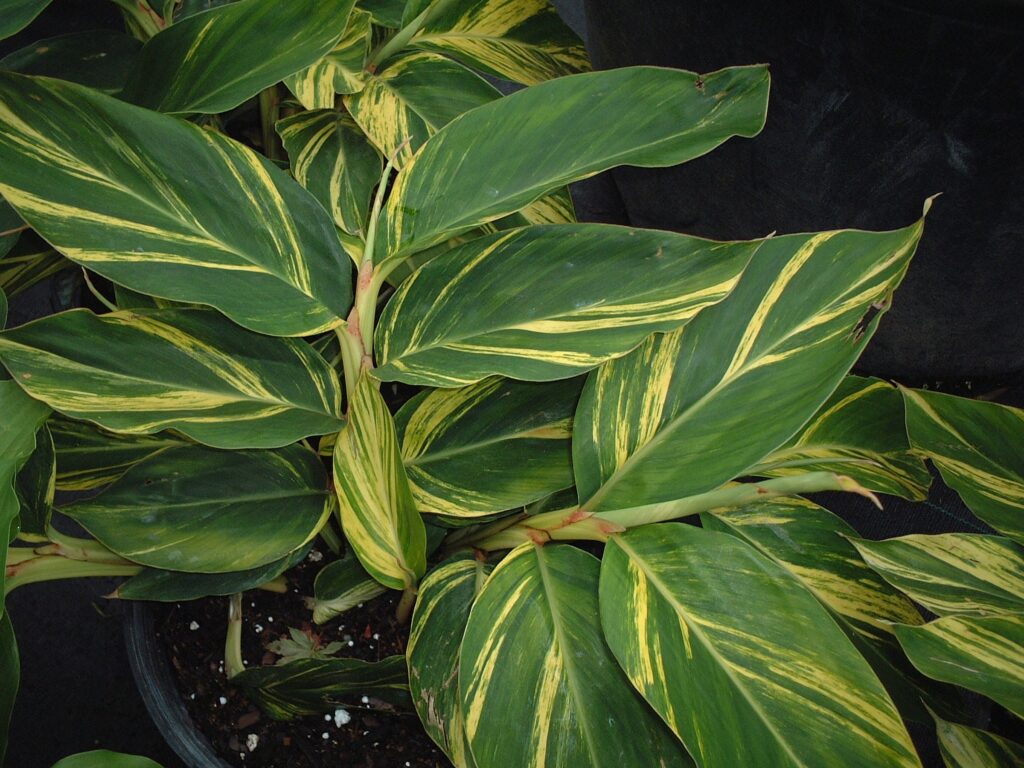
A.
pixel 31 260
pixel 738 658
pixel 384 13
pixel 101 180
pixel 489 447
pixel 548 302
pixel 378 514
pixel 533 656
pixel 340 71
pixel 809 542
pixel 186 369
pixel 99 58
pixel 980 653
pixel 201 510
pixel 662 423
pixel 964 747
pixel 89 457
pixel 412 98
pixel 213 61
pixel 466 176
pixel 860 431
pixel 11 227
pixel 35 485
pixel 331 158
pixel 979 449
pixel 165 586
pixel 445 598
pixel 520 40
pixel 314 686
pixel 22 417
pixel 342 585
pixel 15 16
pixel 952 573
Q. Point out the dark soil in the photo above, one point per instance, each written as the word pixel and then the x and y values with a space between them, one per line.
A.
pixel 373 738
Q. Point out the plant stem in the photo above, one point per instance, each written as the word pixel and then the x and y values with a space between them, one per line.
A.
pixel 579 524
pixel 331 538
pixel 403 612
pixel 147 22
pixel 14 231
pixel 270 109
pixel 54 567
pixel 96 293
pixel 402 37
pixel 87 550
pixel 233 663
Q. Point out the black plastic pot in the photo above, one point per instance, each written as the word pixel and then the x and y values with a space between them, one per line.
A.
pixel 875 105
pixel 154 678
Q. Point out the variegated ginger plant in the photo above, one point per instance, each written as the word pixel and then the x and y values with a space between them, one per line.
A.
pixel 581 383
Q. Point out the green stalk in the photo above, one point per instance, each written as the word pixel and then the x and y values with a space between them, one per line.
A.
pixel 278 586
pixel 54 567
pixel 403 612
pixel 331 538
pixel 142 17
pixel 581 525
pixel 233 663
pixel 270 110
pixel 86 550
pixel 402 37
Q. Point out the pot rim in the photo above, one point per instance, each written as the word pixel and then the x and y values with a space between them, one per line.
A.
pixel 154 680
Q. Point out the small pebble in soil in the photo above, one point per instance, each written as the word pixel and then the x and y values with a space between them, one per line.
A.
pixel 365 699
pixel 251 742
pixel 194 626
pixel 222 701
pixel 341 717
pixel 325 735
pixel 315 555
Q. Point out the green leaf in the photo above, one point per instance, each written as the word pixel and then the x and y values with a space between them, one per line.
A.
pixel 185 8
pixel 18 14
pixel 412 98
pixel 177 586
pixel 200 510
pixel 99 58
pixel 964 747
pixel 90 458
pixel 187 369
pixel 662 423
pixel 35 485
pixel 340 71
pixel 739 659
pixel 548 302
pixel 520 40
pixel 102 758
pixel 10 678
pixel 466 175
pixel 952 573
pixel 30 261
pixel 858 432
pixel 22 417
pixel 980 653
pixel 539 686
pixel 385 13
pixel 332 159
pixel 340 586
pixel 442 610
pixel 101 180
pixel 313 686
pixel 488 447
pixel 213 61
pixel 979 449
pixel 10 229
pixel 811 544
pixel 377 510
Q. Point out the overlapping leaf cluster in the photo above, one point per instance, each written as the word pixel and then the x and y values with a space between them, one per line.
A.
pixel 296 204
